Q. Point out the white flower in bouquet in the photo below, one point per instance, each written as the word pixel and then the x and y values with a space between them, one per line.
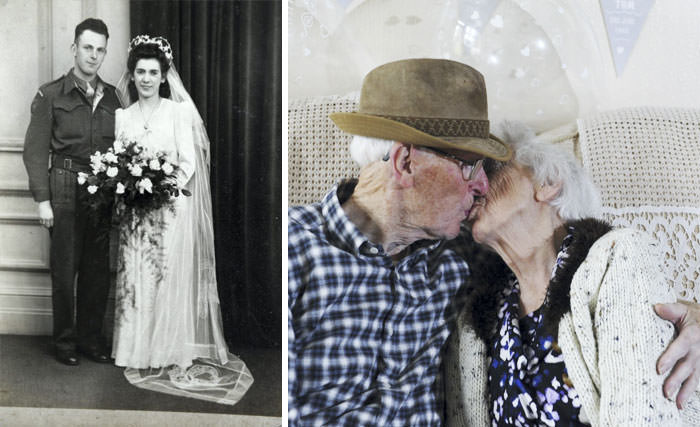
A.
pixel 118 146
pixel 109 157
pixel 96 157
pixel 136 170
pixel 154 164
pixel 92 189
pixel 145 185
pixel 96 162
pixel 167 168
pixel 82 178
pixel 120 188
pixel 112 171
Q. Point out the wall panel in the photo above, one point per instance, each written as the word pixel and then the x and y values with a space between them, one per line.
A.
pixel 35 44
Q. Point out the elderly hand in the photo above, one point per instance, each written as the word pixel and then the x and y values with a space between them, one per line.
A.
pixel 683 355
pixel 46 214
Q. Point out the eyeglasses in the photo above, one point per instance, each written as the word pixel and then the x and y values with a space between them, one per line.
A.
pixel 469 170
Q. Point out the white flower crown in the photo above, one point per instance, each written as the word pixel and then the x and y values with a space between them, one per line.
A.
pixel 161 42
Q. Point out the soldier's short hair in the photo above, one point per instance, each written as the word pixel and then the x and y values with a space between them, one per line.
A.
pixel 92 24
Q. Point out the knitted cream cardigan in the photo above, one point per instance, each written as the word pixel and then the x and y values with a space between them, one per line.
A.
pixel 611 340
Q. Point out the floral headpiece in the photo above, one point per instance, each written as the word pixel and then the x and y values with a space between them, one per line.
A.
pixel 161 42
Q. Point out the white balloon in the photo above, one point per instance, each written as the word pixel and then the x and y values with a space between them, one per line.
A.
pixel 539 71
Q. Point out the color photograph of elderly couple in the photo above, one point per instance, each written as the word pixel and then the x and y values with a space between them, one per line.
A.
pixel 349 213
pixel 488 223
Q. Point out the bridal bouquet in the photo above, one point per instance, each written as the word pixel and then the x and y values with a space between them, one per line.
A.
pixel 132 180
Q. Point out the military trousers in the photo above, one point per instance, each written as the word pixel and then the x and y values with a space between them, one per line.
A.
pixel 79 250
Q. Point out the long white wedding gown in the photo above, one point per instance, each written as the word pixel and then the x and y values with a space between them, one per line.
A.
pixel 168 328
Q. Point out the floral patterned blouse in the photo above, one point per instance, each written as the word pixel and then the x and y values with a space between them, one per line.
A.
pixel 527 379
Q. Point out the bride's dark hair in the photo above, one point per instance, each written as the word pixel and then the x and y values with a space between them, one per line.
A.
pixel 148 51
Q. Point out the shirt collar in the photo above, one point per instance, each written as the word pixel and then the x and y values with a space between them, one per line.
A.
pixel 339 225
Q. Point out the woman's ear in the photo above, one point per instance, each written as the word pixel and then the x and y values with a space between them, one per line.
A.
pixel 546 192
pixel 400 157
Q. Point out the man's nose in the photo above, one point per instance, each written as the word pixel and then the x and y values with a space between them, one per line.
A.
pixel 479 185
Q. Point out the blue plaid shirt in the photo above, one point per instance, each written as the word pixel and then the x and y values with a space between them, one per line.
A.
pixel 365 335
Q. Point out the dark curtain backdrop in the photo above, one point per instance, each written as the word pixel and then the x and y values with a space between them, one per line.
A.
pixel 229 55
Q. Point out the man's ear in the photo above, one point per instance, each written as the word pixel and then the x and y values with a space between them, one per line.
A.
pixel 400 157
pixel 74 49
pixel 546 192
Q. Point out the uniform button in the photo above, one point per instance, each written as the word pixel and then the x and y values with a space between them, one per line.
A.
pixel 373 251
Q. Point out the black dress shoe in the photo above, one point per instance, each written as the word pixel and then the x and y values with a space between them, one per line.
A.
pixel 95 353
pixel 67 357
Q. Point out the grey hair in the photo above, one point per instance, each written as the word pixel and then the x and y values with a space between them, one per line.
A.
pixel 365 150
pixel 551 163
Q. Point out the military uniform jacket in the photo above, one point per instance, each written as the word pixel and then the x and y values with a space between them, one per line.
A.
pixel 64 122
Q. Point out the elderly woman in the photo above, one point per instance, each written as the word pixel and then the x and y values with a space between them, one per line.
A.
pixel 565 332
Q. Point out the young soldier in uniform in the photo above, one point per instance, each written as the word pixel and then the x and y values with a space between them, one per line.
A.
pixel 72 118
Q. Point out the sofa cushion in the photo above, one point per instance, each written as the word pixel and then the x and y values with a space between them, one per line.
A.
pixel 318 153
pixel 646 162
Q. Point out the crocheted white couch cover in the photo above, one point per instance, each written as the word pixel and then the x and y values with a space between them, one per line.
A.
pixel 646 162
pixel 318 154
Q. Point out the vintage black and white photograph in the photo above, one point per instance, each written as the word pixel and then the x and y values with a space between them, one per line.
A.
pixel 141 212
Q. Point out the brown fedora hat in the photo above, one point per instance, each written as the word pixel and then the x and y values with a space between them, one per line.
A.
pixel 430 102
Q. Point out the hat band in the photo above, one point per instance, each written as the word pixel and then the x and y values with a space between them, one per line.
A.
pixel 445 127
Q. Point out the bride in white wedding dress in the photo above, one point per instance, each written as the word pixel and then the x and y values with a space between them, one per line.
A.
pixel 168 328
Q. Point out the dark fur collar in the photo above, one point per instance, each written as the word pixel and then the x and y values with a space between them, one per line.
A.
pixel 490 275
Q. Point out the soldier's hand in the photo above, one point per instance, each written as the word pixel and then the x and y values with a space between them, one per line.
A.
pixel 46 214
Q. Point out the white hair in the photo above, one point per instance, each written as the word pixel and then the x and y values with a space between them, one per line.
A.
pixel 365 150
pixel 551 163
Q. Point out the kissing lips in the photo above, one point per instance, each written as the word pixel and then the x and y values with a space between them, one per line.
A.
pixel 479 202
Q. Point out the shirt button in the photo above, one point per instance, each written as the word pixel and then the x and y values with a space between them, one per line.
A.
pixel 373 251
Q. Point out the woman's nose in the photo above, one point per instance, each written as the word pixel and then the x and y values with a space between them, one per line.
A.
pixel 479 185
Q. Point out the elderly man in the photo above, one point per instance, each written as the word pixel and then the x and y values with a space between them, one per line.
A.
pixel 374 281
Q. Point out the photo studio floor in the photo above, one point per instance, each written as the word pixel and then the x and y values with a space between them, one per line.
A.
pixel 33 384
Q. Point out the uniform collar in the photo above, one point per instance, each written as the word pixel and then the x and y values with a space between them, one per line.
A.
pixel 73 82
